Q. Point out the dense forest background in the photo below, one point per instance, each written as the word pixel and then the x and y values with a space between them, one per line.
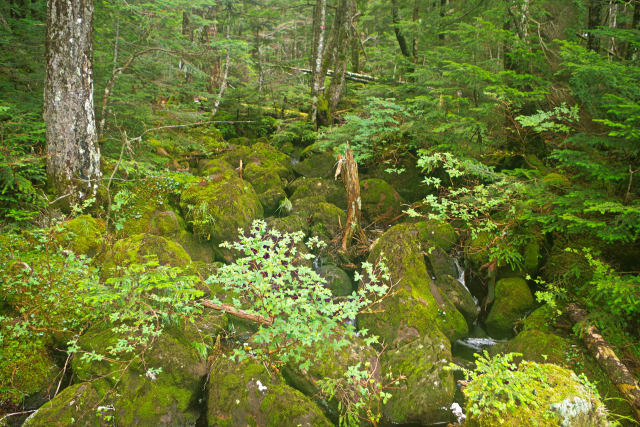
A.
pixel 515 121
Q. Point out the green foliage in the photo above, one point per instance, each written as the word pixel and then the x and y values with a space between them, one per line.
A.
pixel 373 136
pixel 298 312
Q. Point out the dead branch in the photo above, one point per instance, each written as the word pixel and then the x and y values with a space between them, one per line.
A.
pixel 237 312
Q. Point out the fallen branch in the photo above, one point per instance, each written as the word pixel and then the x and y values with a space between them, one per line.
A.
pixel 606 357
pixel 237 312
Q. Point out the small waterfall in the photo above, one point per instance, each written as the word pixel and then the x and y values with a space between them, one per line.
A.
pixel 461 279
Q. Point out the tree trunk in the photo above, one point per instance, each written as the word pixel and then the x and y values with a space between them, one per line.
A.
pixel 607 359
pixel 402 41
pixel 348 169
pixel 347 13
pixel 73 162
pixel 595 17
pixel 317 77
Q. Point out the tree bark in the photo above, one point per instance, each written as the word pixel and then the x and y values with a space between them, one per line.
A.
pixel 346 13
pixel 607 359
pixel 595 18
pixel 348 169
pixel 73 162
pixel 317 77
pixel 402 41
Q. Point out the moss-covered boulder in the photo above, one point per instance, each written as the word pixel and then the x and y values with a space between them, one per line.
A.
pixel 477 250
pixel 561 399
pixel 438 234
pixel 328 364
pixel 541 342
pixel 264 158
pixel 272 199
pixel 76 405
pixel 143 248
pixel 327 219
pixel 426 394
pixel 143 396
pixel 403 175
pixel 380 201
pixel 171 226
pixel 214 166
pixel 241 394
pixel 288 224
pixel 337 280
pixel 83 235
pixel 513 299
pixel 218 205
pixel 441 263
pixel 567 267
pixel 316 165
pixel 28 371
pixel 416 304
pixel 460 296
pixel 333 191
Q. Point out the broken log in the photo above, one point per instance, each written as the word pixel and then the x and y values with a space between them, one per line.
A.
pixel 354 77
pixel 348 169
pixel 607 359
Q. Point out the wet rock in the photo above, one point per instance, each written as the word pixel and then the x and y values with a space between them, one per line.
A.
pixel 316 165
pixel 459 296
pixel 331 190
pixel 512 301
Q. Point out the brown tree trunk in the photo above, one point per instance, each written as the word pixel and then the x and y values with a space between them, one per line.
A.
pixel 402 41
pixel 595 20
pixel 348 169
pixel 73 163
pixel 344 31
pixel 607 359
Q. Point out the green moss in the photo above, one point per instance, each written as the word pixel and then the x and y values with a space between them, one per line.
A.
pixel 459 296
pixel 556 180
pixel 477 250
pixel 143 248
pixel 331 190
pixel 214 166
pixel 557 392
pixel 427 392
pixel 217 206
pixel 337 280
pixel 83 235
pixel 262 178
pixel 512 300
pixel 441 263
pixel 316 165
pixel 245 393
pixel 289 224
pixel 327 218
pixel 75 406
pixel 438 234
pixel 412 310
pixel 171 226
pixel 379 200
pixel 271 198
pixel 261 155
pixel 408 183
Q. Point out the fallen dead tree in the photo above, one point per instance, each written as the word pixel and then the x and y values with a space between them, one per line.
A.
pixel 606 357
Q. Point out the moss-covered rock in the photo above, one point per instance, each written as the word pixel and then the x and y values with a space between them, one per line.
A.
pixel 143 397
pixel 477 250
pixel 407 183
pixel 271 199
pixel 554 179
pixel 333 191
pixel 441 263
pixel 83 235
pixel 513 299
pixel 415 307
pixel 567 268
pixel 142 248
pixel 328 364
pixel 561 400
pixel 380 201
pixel 316 165
pixel 76 405
pixel 426 394
pixel 459 296
pixel 289 224
pixel 218 205
pixel 438 234
pixel 263 157
pixel 171 226
pixel 214 166
pixel 337 280
pixel 241 394
pixel 541 342
pixel 327 219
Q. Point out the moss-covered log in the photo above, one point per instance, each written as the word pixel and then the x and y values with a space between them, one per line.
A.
pixel 606 357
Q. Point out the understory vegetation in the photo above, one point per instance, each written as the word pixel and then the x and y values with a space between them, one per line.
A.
pixel 222 269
